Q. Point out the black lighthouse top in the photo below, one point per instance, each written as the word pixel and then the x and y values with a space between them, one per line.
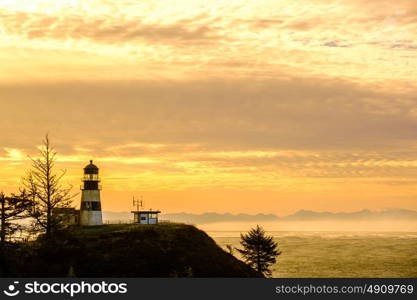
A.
pixel 91 178
pixel 91 168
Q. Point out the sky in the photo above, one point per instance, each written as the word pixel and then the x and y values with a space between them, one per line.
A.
pixel 240 106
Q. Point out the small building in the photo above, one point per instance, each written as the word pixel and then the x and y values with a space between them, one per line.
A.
pixel 68 216
pixel 146 217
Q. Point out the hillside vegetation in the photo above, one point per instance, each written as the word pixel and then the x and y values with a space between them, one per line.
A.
pixel 165 250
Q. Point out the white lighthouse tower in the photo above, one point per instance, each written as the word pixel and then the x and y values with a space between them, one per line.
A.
pixel 90 212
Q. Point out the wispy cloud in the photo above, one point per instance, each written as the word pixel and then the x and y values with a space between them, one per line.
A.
pixel 295 113
pixel 104 29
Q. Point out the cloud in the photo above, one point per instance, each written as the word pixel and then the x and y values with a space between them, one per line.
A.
pixel 260 23
pixel 294 113
pixel 150 39
pixel 404 46
pixel 104 29
pixel 335 44
pixel 292 127
pixel 303 25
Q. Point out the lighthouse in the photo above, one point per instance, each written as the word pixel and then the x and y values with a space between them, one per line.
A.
pixel 90 212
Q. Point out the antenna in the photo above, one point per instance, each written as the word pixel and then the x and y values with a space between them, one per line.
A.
pixel 138 203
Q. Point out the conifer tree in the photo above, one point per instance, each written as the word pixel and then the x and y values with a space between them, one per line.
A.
pixel 259 250
pixel 12 208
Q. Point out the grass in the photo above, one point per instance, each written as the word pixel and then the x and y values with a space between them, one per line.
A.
pixel 92 231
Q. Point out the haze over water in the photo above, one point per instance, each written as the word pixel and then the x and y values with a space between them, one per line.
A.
pixel 341 254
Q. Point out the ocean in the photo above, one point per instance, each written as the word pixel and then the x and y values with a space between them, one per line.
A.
pixel 319 254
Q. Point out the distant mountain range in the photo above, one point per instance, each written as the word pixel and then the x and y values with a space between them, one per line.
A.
pixel 208 218
pixel 365 215
pixel 302 215
pixel 205 218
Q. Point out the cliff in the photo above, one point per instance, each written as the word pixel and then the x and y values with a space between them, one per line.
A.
pixel 166 250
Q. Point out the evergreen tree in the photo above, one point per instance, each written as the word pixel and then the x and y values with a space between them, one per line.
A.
pixel 12 208
pixel 259 250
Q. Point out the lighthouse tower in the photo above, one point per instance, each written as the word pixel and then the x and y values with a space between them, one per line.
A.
pixel 90 212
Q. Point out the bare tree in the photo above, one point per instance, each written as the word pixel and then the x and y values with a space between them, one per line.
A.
pixel 12 208
pixel 46 189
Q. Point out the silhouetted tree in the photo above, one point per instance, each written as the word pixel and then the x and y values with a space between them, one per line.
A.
pixel 12 208
pixel 46 189
pixel 259 250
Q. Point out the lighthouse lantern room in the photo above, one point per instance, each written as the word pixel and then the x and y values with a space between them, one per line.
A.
pixel 90 212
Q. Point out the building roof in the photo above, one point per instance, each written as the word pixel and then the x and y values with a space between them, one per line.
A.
pixel 146 212
pixel 91 168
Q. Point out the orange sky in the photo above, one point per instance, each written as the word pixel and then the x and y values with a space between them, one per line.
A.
pixel 226 106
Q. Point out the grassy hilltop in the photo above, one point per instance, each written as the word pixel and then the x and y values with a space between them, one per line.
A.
pixel 165 250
